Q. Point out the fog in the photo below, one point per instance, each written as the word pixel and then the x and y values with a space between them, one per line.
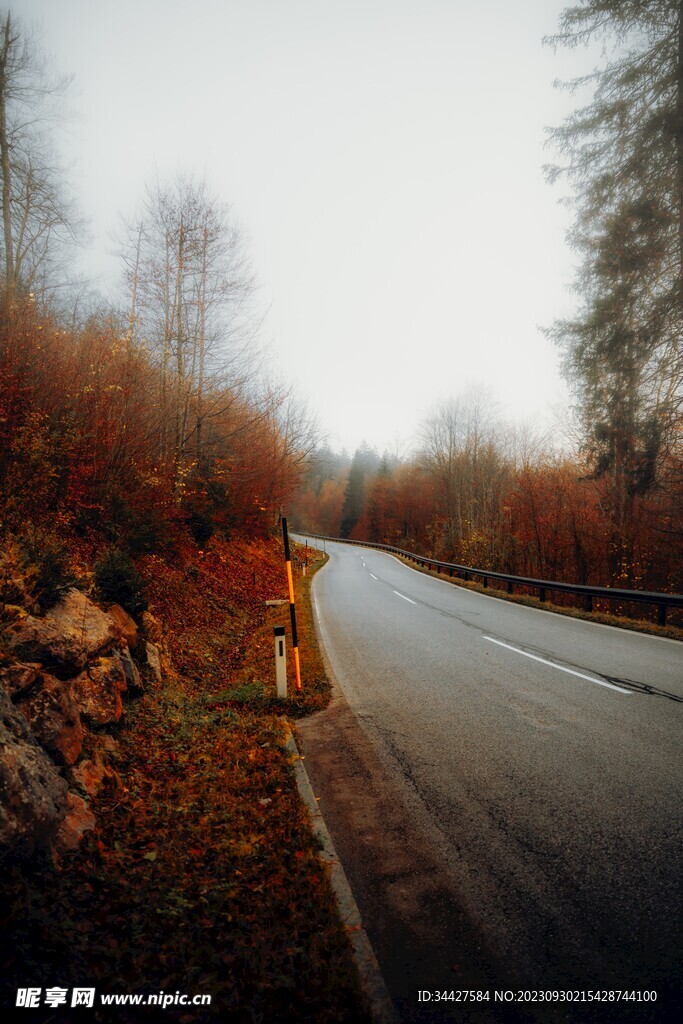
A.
pixel 384 159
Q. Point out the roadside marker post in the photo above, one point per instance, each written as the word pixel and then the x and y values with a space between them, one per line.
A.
pixel 280 661
pixel 292 609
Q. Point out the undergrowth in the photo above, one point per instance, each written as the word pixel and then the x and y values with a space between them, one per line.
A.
pixel 202 875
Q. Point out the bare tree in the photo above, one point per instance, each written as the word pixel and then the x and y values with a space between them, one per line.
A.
pixel 190 289
pixel 295 434
pixel 463 452
pixel 38 214
pixel 442 443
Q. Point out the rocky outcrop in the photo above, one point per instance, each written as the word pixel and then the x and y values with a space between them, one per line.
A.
pixel 98 691
pixel 52 713
pixel 88 776
pixel 78 820
pixel 16 678
pixel 154 650
pixel 66 638
pixel 130 669
pixel 125 625
pixel 62 679
pixel 33 795
pixel 153 661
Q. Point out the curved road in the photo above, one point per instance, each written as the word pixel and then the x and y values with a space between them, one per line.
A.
pixel 530 800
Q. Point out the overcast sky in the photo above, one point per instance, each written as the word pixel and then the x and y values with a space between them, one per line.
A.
pixel 384 159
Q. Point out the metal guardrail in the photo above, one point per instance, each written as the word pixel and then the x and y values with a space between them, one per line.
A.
pixel 662 601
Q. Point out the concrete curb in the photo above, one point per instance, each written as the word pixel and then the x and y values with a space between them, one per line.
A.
pixel 372 983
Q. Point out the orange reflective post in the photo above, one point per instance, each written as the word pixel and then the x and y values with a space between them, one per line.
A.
pixel 292 609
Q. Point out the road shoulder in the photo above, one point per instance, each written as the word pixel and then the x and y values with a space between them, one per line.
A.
pixel 423 941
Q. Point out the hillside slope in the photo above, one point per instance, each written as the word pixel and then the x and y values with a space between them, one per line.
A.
pixel 201 875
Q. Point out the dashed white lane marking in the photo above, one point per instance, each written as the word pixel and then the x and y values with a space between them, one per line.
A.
pixel 373 575
pixel 554 664
pixel 404 597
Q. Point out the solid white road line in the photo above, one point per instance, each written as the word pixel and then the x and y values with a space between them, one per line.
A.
pixel 553 664
pixel 404 597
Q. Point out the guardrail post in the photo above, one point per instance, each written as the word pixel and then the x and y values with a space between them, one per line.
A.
pixel 661 615
pixel 541 593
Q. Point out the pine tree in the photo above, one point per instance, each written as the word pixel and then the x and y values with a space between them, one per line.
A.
pixel 365 462
pixel 623 155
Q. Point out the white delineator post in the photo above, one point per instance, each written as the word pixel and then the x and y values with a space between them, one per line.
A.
pixel 280 661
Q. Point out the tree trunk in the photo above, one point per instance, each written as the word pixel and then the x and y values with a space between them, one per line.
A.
pixel 133 299
pixel 679 143
pixel 202 350
pixel 180 370
pixel 5 163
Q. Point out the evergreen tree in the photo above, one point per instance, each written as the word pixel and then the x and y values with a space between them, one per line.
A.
pixel 623 155
pixel 381 503
pixel 364 462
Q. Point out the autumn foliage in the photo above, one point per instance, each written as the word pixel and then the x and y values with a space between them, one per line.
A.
pixel 201 874
pixel 86 448
pixel 485 496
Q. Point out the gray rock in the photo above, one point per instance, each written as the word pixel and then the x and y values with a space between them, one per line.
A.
pixel 154 661
pixel 71 633
pixel 52 714
pixel 98 691
pixel 130 669
pixel 88 776
pixel 125 625
pixel 18 678
pixel 32 792
pixel 79 820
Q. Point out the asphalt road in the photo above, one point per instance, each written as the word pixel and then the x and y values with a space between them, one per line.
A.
pixel 504 787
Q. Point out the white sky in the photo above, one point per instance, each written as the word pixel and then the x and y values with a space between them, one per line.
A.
pixel 384 158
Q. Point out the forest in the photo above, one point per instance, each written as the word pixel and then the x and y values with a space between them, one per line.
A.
pixel 487 495
pixel 126 422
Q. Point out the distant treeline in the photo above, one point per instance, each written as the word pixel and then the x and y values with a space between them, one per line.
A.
pixel 502 499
